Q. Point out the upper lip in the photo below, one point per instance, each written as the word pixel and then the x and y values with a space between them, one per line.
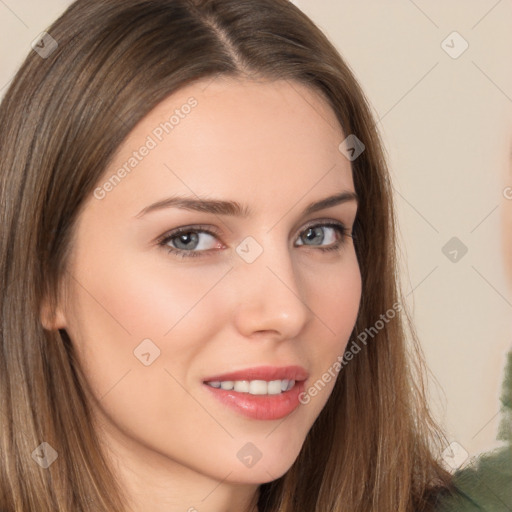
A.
pixel 268 373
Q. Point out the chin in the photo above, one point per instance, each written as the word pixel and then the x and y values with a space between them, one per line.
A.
pixel 259 475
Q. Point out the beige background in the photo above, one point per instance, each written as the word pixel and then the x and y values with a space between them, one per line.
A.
pixel 447 126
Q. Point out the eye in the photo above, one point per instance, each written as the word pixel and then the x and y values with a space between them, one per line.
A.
pixel 187 241
pixel 316 233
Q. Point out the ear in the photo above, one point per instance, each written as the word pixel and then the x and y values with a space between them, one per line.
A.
pixel 52 319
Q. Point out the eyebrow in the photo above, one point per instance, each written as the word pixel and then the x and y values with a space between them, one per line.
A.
pixel 233 208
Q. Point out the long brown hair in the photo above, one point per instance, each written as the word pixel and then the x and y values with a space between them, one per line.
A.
pixel 374 446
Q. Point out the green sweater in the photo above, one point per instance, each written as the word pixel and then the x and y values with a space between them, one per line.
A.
pixel 486 484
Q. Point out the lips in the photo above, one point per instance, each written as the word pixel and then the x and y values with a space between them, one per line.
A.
pixel 274 404
pixel 268 373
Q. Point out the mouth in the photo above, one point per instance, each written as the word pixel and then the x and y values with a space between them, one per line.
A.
pixel 263 393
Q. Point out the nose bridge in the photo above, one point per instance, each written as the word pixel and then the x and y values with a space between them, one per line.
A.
pixel 270 296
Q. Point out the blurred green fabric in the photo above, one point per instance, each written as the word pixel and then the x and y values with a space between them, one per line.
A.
pixel 485 485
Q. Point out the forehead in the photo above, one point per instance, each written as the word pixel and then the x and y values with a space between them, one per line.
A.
pixel 227 136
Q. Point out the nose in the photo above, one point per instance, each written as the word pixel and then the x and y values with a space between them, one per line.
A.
pixel 269 297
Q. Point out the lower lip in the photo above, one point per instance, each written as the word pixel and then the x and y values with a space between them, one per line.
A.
pixel 260 407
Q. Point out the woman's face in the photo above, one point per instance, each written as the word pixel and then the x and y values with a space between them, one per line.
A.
pixel 245 291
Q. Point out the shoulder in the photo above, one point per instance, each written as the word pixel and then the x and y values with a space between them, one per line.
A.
pixel 484 486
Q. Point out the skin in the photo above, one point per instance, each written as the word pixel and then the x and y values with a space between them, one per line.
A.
pixel 272 146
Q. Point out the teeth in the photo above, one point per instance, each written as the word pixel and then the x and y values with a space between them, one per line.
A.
pixel 242 386
pixel 274 387
pixel 254 387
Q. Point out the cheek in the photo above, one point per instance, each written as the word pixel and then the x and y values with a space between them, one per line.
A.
pixel 118 304
pixel 148 297
pixel 171 314
pixel 335 292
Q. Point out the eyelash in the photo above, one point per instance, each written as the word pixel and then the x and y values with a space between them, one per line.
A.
pixel 165 239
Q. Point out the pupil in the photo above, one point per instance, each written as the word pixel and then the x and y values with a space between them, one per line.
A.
pixel 186 238
pixel 319 234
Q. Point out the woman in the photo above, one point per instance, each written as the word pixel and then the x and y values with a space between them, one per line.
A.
pixel 131 364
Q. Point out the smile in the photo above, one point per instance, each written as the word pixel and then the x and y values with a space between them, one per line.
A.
pixel 254 387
